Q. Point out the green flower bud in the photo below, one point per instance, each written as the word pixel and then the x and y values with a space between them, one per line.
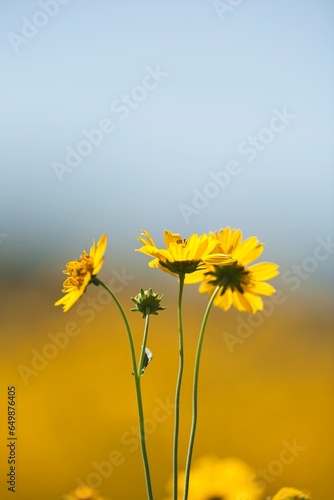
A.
pixel 147 302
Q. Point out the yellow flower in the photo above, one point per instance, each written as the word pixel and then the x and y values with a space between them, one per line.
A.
pixel 81 272
pixel 241 285
pixel 291 494
pixel 220 479
pixel 181 256
pixel 84 493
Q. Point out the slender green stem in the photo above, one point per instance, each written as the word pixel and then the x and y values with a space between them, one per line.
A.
pixel 143 346
pixel 195 394
pixel 178 390
pixel 137 386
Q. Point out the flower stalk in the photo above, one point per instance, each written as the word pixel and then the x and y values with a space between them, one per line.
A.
pixel 220 262
pixel 141 363
pixel 195 393
pixel 178 389
pixel 137 379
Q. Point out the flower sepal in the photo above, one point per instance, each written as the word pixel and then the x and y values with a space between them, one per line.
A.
pixel 233 277
pixel 147 302
pixel 182 266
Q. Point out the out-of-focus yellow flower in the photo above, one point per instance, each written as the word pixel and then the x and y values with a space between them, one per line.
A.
pixel 291 494
pixel 84 493
pixel 241 285
pixel 81 272
pixel 181 256
pixel 212 478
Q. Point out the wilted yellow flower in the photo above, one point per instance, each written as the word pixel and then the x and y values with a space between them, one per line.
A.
pixel 291 494
pixel 220 479
pixel 181 256
pixel 241 285
pixel 84 493
pixel 81 272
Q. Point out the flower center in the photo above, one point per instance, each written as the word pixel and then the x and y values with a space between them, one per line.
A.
pixel 181 241
pixel 78 269
pixel 215 498
pixel 233 276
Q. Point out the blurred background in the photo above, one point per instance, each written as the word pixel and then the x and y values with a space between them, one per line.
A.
pixel 189 116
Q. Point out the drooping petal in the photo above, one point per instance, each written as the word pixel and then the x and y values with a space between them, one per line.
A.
pixel 224 301
pixel 262 288
pixel 195 277
pixel 99 253
pixel 264 271
pixel 241 303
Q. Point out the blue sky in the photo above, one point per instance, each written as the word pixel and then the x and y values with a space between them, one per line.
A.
pixel 184 96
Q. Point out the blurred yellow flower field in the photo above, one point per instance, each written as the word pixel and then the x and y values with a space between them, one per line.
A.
pixel 179 157
pixel 269 392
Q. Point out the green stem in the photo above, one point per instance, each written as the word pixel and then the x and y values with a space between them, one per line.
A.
pixel 195 394
pixel 136 375
pixel 142 354
pixel 178 390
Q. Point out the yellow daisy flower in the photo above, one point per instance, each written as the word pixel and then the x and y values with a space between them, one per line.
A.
pixel 291 494
pixel 181 256
pixel 220 479
pixel 241 284
pixel 81 272
pixel 84 493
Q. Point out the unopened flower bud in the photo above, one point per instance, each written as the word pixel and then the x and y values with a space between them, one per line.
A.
pixel 147 302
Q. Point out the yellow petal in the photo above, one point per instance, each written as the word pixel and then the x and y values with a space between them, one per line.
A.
pixel 241 303
pixel 149 239
pixel 195 277
pixel 100 250
pixel 262 288
pixel 170 237
pixel 251 255
pixel 230 239
pixel 245 248
pixel 255 302
pixel 97 267
pixel 219 259
pixel 224 301
pixel 264 271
